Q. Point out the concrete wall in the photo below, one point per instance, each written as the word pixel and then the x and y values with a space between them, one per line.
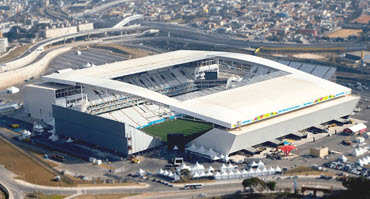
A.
pixel 103 132
pixel 3 44
pixel 86 26
pixel 140 140
pixel 10 78
pixel 38 102
pixel 57 32
pixel 226 143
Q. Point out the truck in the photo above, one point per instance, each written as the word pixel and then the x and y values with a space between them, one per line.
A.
pixel 14 126
pixel 58 157
pixel 134 159
pixel 177 161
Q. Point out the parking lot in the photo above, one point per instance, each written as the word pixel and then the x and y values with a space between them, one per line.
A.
pixel 88 55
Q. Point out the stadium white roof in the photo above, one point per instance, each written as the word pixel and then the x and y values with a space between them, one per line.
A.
pixel 230 108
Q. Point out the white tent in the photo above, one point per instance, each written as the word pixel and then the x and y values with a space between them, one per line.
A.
pixel 260 164
pixel 223 167
pixel 278 170
pixel 215 157
pixel 170 174
pixel 245 173
pixel 213 152
pixel 69 140
pixel 238 174
pixel 254 164
pixel 226 158
pixel 364 159
pixel 231 174
pixel 140 172
pixel 201 150
pixel 183 166
pixel 54 138
pixel 224 175
pixel 192 148
pixel 160 172
pixel 176 177
pixel 195 175
pixel 202 174
pixel 12 90
pixel 211 169
pixel 271 171
pixel 230 167
pixel 165 173
pixel 368 158
pixel 197 168
pixel 222 156
pixel 358 127
pixel 208 173
pixel 208 153
pixel 359 162
pixel 251 172
pixel 258 172
pixel 26 133
pixel 343 158
pixel 217 176
pixel 175 148
pixel 356 152
pixel 361 150
pixel 265 171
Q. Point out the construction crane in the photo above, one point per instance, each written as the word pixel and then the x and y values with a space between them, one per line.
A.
pixel 257 50
pixel 347 141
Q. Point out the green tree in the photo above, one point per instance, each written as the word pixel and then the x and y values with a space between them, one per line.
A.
pixel 359 186
pixel 254 183
pixel 185 173
pixel 271 185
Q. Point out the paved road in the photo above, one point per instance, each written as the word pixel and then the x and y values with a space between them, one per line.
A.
pixel 18 188
pixel 98 9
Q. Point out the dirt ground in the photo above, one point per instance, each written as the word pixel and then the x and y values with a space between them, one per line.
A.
pixel 308 56
pixel 344 33
pixel 25 168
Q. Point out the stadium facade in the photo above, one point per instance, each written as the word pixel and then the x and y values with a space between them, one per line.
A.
pixel 248 100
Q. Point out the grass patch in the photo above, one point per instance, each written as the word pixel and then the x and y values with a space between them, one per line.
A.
pixel 15 53
pixel 303 170
pixel 47 161
pixel 105 196
pixel 24 167
pixel 177 126
pixel 44 196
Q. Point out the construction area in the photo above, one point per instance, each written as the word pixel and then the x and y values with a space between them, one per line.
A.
pixel 345 33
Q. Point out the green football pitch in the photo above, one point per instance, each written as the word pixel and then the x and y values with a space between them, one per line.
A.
pixel 177 126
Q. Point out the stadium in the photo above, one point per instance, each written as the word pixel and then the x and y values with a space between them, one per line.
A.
pixel 221 101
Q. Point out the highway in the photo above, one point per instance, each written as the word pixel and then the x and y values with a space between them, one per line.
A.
pixel 98 9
